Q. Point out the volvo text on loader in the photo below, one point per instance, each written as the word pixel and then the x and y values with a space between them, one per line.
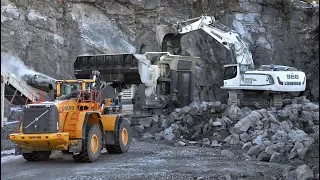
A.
pixel 94 111
pixel 270 82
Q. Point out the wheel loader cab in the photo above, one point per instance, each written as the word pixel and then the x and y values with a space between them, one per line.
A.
pixel 66 87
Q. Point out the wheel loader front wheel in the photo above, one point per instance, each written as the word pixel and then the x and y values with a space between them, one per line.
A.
pixel 37 155
pixel 92 147
pixel 123 139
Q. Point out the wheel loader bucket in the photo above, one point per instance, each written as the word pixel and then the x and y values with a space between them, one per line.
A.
pixel 163 31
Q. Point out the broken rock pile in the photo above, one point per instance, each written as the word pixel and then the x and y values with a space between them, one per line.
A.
pixel 263 134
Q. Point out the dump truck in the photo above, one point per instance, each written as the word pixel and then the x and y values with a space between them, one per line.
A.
pixel 94 111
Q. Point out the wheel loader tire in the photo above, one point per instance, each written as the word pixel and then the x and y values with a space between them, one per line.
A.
pixel 92 146
pixel 37 155
pixel 123 139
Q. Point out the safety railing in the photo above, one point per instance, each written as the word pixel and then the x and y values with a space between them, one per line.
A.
pixel 34 97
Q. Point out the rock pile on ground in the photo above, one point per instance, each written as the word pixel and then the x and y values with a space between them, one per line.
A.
pixel 273 135
pixel 8 128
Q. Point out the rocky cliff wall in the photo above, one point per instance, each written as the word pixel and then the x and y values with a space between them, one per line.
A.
pixel 48 35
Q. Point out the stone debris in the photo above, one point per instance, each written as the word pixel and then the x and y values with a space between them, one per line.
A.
pixel 227 153
pixel 272 135
pixel 302 172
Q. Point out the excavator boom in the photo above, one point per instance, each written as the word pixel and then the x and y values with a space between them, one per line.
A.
pixel 225 36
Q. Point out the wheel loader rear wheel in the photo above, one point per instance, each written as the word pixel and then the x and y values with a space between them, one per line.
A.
pixel 37 155
pixel 92 147
pixel 123 139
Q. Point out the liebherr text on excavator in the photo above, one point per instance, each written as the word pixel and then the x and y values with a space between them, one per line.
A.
pixel 269 81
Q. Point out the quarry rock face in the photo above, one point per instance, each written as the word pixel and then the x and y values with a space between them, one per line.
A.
pixel 49 35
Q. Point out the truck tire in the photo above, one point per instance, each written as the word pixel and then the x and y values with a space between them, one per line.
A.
pixel 37 155
pixel 122 139
pixel 92 146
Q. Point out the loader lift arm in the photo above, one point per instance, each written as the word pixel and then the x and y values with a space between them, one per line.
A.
pixel 225 36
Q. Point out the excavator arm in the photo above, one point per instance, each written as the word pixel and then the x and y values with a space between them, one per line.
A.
pixel 225 36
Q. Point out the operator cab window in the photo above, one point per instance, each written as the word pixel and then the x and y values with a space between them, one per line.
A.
pixel 66 88
pixel 230 72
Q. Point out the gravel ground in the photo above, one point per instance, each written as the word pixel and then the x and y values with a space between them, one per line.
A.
pixel 145 160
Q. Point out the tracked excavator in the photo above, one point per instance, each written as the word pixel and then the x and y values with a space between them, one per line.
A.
pixel 93 111
pixel 268 82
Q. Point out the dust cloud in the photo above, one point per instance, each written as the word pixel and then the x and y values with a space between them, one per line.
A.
pixel 17 67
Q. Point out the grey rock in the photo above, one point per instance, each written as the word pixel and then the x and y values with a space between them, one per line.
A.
pixel 200 178
pixel 159 136
pixel 174 126
pixel 244 124
pixel 215 143
pixel 304 172
pixel 247 146
pixel 283 115
pixel 301 148
pixel 226 121
pixel 277 158
pixel 267 143
pixel 203 107
pixel 293 153
pixel 292 175
pixel 206 142
pixel 247 156
pixel 315 118
pixel 185 109
pixel 216 123
pixel 263 112
pixel 139 128
pixel 188 119
pixel 193 110
pixel 227 177
pixel 168 135
pixel 275 127
pixel 175 116
pixel 310 107
pixel 259 125
pixel 263 156
pixel 227 153
pixel 307 115
pixel 286 172
pixel 258 140
pixel 255 150
pixel 286 126
pixel 280 136
pixel 147 135
pixel 233 112
pixel 233 139
pixel 164 123
pixel 244 137
pixel 181 143
pixel 193 142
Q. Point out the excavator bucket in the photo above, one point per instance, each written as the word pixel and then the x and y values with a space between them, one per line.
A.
pixel 166 36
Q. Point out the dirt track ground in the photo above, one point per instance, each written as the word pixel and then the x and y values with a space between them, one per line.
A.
pixel 144 161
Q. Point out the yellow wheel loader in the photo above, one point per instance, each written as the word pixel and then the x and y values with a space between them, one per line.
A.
pixel 95 110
